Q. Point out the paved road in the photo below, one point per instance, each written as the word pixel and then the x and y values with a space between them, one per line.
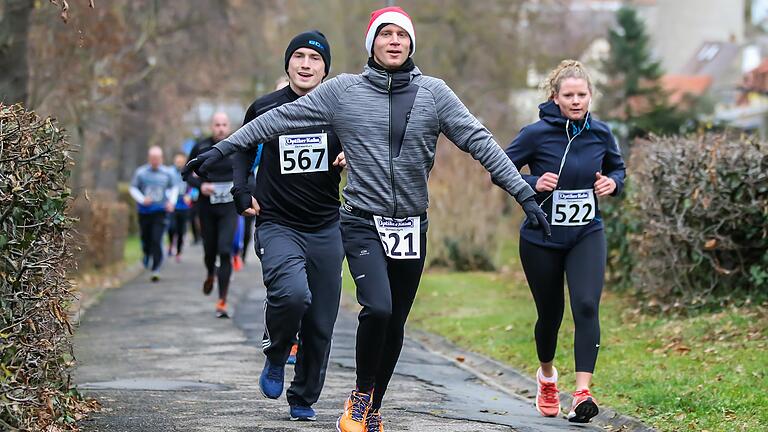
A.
pixel 158 360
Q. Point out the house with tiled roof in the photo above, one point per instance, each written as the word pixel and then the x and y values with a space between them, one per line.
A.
pixel 755 82
pixel 713 70
pixel 678 28
pixel 751 112
pixel 681 87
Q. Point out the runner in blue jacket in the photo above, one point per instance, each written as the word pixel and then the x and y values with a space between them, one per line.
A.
pixel 154 190
pixel 573 160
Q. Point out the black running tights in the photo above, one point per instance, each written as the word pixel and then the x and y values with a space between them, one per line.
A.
pixel 584 268
pixel 218 223
pixel 386 289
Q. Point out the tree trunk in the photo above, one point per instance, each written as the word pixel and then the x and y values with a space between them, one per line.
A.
pixel 13 50
pixel 136 129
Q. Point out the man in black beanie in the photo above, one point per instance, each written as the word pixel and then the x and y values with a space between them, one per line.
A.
pixel 314 40
pixel 296 203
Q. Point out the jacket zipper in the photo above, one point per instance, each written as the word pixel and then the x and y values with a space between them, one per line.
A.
pixel 391 162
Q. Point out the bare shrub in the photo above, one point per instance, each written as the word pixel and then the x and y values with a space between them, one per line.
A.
pixel 464 213
pixel 102 228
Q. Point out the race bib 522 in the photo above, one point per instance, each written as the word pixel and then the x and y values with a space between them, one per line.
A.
pixel 573 207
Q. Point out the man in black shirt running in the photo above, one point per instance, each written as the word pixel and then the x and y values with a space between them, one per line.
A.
pixel 296 200
pixel 216 208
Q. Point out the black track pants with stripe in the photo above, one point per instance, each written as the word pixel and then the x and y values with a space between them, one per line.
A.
pixel 302 273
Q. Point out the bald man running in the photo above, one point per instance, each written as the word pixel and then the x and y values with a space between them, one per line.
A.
pixel 154 190
pixel 218 217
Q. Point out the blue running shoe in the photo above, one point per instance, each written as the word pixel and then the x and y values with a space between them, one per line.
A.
pixel 271 380
pixel 302 413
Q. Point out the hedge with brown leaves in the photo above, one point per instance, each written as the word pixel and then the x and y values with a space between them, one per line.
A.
pixel 698 211
pixel 35 253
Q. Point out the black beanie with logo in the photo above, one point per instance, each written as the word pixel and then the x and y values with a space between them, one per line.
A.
pixel 313 40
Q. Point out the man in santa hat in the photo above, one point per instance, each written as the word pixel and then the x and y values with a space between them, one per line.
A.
pixel 388 119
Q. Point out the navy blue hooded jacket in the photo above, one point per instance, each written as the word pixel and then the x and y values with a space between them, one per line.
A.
pixel 541 146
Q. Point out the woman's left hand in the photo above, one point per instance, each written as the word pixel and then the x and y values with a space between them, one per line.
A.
pixel 604 185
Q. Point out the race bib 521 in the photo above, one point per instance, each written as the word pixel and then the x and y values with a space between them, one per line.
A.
pixel 573 207
pixel 400 238
pixel 303 153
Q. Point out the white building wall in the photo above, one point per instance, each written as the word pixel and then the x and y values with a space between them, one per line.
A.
pixel 680 26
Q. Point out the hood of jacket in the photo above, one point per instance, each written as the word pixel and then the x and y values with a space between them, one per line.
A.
pixel 380 78
pixel 550 113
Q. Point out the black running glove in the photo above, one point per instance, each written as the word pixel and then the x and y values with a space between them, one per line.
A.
pixel 202 163
pixel 536 216
pixel 242 201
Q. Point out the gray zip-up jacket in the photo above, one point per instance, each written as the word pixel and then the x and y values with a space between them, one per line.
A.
pixel 388 125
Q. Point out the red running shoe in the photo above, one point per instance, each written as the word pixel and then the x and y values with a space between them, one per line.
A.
pixel 237 263
pixel 584 407
pixel 547 396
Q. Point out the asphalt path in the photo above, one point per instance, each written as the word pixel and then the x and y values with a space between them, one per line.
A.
pixel 157 359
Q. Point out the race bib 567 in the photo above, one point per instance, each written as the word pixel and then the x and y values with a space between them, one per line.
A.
pixel 303 153
pixel 573 207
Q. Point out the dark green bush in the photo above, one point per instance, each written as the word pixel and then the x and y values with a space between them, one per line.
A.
pixel 463 258
pixel 619 228
pixel 35 252
pixel 696 220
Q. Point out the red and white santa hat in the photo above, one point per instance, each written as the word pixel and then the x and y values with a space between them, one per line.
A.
pixel 389 15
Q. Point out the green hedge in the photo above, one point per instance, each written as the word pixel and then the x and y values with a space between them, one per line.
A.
pixel 693 228
pixel 35 252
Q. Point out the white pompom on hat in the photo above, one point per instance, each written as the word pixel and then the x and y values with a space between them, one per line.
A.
pixel 389 15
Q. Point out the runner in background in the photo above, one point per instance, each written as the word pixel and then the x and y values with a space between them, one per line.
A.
pixel 218 218
pixel 194 193
pixel 250 220
pixel 237 245
pixel 154 190
pixel 194 216
pixel 179 219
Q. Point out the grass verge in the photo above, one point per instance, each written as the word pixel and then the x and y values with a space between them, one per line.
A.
pixel 702 373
